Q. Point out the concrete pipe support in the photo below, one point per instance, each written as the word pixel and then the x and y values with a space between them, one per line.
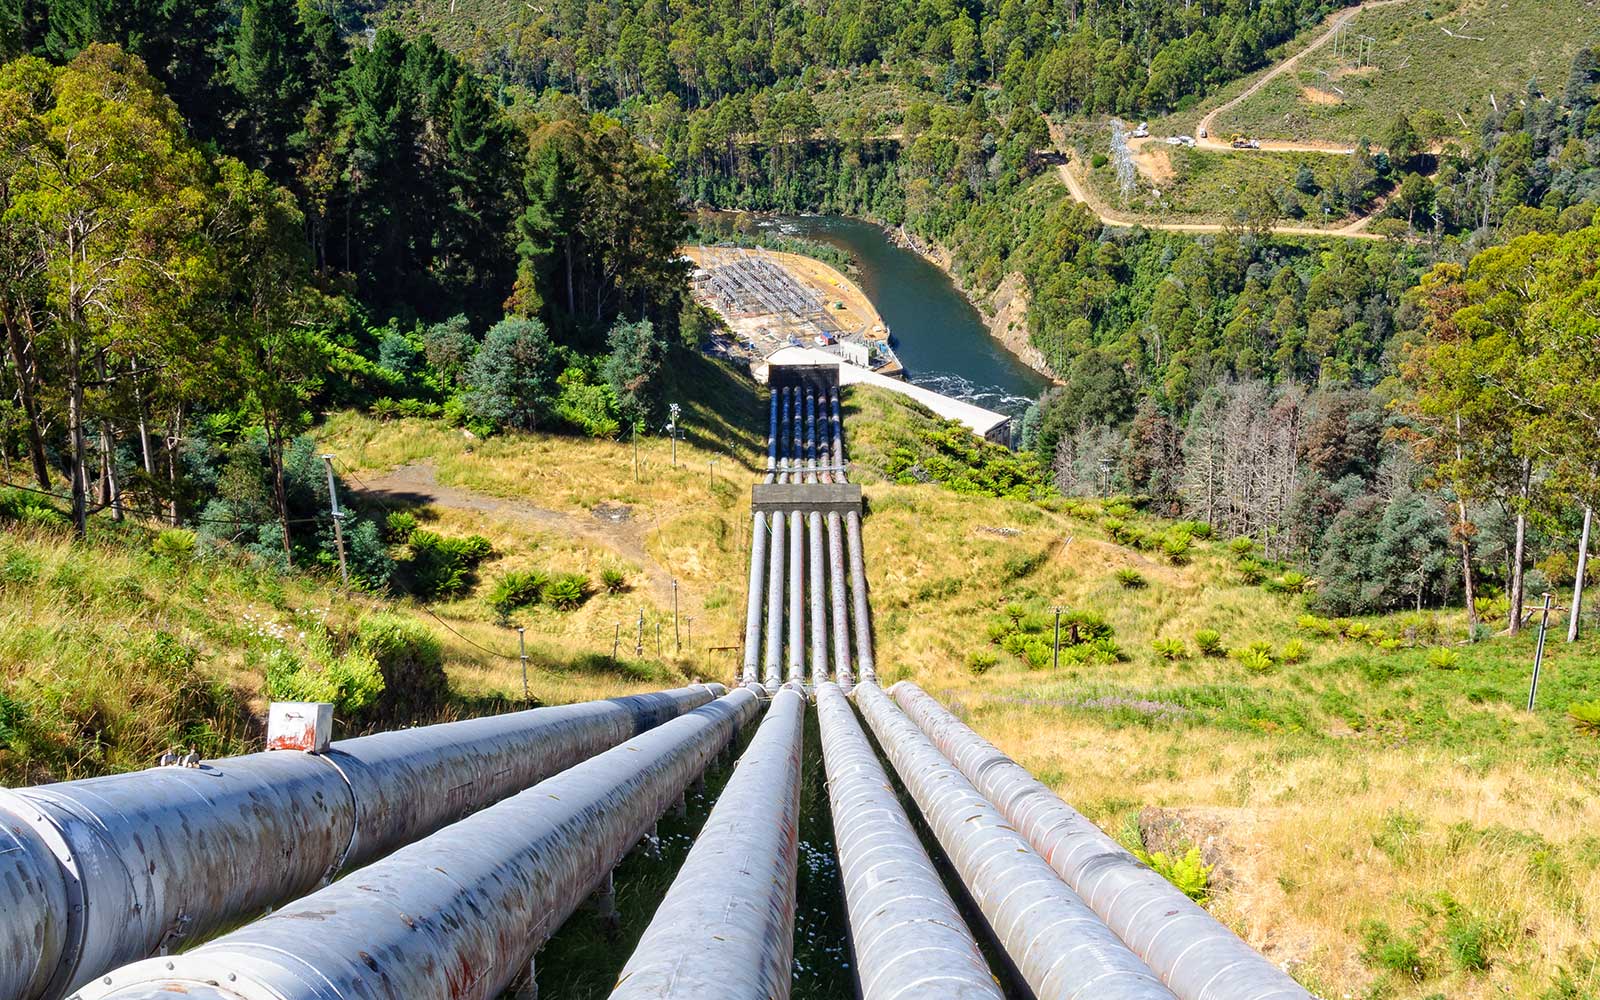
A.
pixel 910 941
pixel 1061 948
pixel 726 927
pixel 1194 954
pixel 460 914
pixel 144 862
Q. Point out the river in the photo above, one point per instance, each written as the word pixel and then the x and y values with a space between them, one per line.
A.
pixel 938 334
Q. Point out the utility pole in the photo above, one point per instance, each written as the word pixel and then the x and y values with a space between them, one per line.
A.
pixel 672 430
pixel 1055 662
pixel 711 475
pixel 1538 651
pixel 616 641
pixel 638 646
pixel 678 642
pixel 338 517
pixel 522 654
pixel 1577 584
pixel 636 452
pixel 688 623
pixel 658 640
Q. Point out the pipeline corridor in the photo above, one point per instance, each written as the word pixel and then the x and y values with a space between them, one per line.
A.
pixel 464 847
pixel 807 613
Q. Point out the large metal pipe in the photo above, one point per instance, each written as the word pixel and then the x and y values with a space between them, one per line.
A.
pixel 811 434
pixel 797 603
pixel 797 437
pixel 1193 953
pixel 865 664
pixel 460 914
pixel 817 577
pixel 754 598
pixel 784 444
pixel 772 676
pixel 726 927
pixel 1062 950
pixel 836 592
pixel 149 859
pixel 838 434
pixel 910 941
pixel 772 438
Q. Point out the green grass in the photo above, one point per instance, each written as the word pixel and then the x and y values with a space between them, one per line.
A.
pixel 1420 68
pixel 1210 186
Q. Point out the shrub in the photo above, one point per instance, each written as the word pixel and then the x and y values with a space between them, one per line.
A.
pixel 1098 160
pixel 981 661
pixel 997 631
pixel 399 525
pixel 1189 873
pixel 510 379
pixel 1354 630
pixel 1013 642
pixel 351 683
pixel 411 662
pixel 1037 653
pixel 1442 658
pixel 1586 716
pixel 613 580
pixel 1251 572
pixel 1131 579
pixel 369 558
pixel 174 543
pixel 516 589
pixel 1294 651
pixel 1467 939
pixel 1291 582
pixel 1106 650
pixel 1170 649
pixel 1177 548
pixel 1384 949
pixel 566 591
pixel 1015 612
pixel 1199 529
pixel 30 508
pixel 1087 625
pixel 442 567
pixel 1242 547
pixel 1209 642
pixel 1316 626
pixel 1253 659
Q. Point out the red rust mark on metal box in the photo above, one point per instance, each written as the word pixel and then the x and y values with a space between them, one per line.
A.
pixel 301 736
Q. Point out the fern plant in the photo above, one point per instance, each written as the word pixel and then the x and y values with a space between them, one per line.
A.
pixel 1170 650
pixel 1442 658
pixel 1209 642
pixel 1131 579
pixel 1294 651
pixel 1586 716
pixel 1189 874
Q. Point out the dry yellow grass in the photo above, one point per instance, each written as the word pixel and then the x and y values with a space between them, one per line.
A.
pixel 1446 813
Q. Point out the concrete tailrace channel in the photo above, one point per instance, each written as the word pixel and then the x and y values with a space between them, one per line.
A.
pixel 804 833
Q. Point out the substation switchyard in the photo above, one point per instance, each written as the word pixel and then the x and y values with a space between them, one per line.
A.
pixel 434 863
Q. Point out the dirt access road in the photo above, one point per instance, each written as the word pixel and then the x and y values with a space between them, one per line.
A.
pixel 1080 190
pixel 1355 230
pixel 611 528
pixel 1335 21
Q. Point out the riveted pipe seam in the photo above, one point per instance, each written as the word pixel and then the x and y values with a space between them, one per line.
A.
pixel 459 914
pixel 726 925
pixel 1062 950
pixel 155 857
pixel 1193 953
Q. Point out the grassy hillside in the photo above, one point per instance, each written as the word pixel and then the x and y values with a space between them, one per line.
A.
pixel 1205 186
pixel 1383 815
pixel 1413 65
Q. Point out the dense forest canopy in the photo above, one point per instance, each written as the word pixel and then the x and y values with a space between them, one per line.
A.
pixel 352 210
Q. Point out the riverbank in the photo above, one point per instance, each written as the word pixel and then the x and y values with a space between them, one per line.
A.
pixel 1004 313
